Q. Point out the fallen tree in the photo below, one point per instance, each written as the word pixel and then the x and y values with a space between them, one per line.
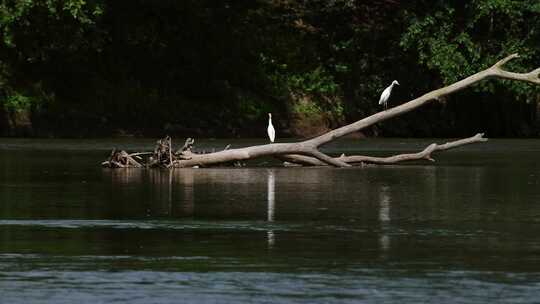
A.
pixel 307 152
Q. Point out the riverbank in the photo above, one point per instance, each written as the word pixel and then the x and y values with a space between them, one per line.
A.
pixel 461 119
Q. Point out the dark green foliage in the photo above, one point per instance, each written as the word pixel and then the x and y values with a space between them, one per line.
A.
pixel 457 38
pixel 215 68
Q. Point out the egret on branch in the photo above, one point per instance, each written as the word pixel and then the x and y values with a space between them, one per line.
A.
pixel 271 131
pixel 386 94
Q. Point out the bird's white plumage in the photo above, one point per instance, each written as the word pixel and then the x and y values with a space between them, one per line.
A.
pixel 271 131
pixel 386 94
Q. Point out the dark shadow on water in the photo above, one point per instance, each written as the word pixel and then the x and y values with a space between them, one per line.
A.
pixel 315 234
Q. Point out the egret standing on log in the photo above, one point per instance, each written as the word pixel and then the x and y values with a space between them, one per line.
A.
pixel 271 131
pixel 386 94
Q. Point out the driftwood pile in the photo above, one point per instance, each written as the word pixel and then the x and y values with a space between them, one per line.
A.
pixel 163 156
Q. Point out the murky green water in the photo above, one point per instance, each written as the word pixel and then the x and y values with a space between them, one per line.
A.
pixel 465 229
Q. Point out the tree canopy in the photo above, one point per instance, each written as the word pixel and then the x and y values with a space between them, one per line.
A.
pixel 215 68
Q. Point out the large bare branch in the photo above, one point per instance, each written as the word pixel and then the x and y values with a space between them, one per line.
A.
pixel 309 147
pixel 361 159
pixel 307 151
pixel 329 160
pixel 495 71
pixel 532 77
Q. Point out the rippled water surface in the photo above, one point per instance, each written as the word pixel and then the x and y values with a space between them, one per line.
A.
pixel 465 229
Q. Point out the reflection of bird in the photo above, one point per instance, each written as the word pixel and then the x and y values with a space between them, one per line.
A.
pixel 386 94
pixel 271 131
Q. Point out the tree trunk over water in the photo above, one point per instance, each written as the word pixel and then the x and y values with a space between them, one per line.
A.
pixel 307 152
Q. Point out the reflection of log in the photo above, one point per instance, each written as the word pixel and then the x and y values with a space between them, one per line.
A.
pixel 308 150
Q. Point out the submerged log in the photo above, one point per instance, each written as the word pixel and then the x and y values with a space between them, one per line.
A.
pixel 307 152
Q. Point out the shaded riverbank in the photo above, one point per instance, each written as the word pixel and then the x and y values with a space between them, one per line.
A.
pixel 215 69
pixel 462 119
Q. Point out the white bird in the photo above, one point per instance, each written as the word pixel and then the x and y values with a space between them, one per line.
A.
pixel 386 94
pixel 271 131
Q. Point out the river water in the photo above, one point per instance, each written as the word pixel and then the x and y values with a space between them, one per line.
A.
pixel 465 229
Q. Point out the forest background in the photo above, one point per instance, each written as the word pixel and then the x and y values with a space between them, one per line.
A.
pixel 80 68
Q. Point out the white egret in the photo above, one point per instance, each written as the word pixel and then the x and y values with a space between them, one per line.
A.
pixel 271 131
pixel 386 94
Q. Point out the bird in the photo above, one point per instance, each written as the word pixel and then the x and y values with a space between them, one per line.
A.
pixel 386 94
pixel 270 129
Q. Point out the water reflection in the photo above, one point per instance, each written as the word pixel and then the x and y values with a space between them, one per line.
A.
pixel 126 176
pixel 271 186
pixel 162 193
pixel 271 194
pixel 470 218
pixel 425 193
pixel 172 193
pixel 169 190
pixel 186 179
pixel 384 204
pixel 384 217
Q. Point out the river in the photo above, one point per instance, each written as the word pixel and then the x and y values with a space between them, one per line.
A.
pixel 464 229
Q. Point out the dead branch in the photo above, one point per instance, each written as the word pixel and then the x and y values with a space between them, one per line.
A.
pixel 361 159
pixel 307 152
pixel 310 147
pixel 121 159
